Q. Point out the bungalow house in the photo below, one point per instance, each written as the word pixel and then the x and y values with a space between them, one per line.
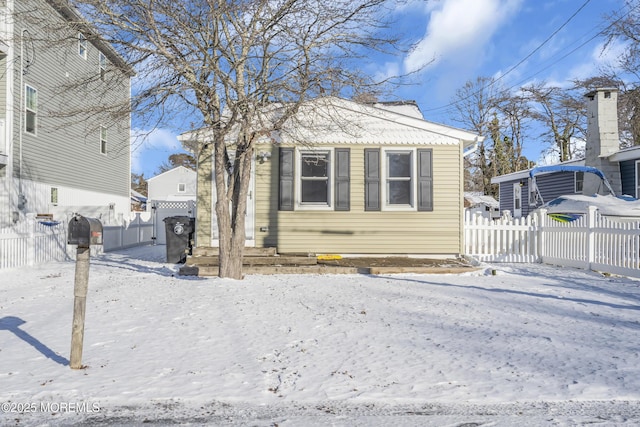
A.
pixel 61 150
pixel 363 179
pixel 620 167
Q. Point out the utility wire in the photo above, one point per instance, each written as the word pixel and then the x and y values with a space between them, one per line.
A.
pixel 493 82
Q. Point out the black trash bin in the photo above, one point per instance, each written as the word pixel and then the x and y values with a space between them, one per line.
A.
pixel 179 231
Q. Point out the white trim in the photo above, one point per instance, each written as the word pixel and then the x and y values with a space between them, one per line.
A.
pixel 27 109
pixel 298 205
pixel 385 206
pixel 83 46
pixel 104 143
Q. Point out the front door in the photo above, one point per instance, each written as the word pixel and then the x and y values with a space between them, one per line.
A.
pixel 517 200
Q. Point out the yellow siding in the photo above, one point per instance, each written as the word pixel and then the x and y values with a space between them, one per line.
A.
pixel 359 231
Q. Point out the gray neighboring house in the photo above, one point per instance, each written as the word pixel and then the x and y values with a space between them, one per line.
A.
pixel 621 167
pixel 60 148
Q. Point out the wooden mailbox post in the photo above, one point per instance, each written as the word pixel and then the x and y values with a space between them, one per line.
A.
pixel 83 232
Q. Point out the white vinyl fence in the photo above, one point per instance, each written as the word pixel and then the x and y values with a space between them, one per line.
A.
pixel 593 242
pixel 32 241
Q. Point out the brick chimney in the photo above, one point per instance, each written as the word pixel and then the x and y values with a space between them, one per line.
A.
pixel 602 140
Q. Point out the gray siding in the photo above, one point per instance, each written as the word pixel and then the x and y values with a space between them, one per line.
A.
pixel 550 186
pixel 72 105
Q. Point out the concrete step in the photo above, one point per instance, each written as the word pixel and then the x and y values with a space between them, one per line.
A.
pixel 209 271
pixel 248 251
pixel 254 260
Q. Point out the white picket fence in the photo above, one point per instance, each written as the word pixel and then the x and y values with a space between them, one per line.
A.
pixel 31 242
pixel 594 242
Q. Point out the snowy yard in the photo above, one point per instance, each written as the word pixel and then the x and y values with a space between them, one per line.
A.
pixel 532 345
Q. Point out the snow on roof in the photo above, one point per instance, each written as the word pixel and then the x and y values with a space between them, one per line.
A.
pixel 475 198
pixel 407 108
pixel 333 120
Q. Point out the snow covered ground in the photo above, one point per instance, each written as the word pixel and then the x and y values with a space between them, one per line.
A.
pixel 532 345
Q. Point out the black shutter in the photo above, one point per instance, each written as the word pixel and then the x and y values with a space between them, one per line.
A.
pixel 425 180
pixel 342 178
pixel 285 189
pixel 371 179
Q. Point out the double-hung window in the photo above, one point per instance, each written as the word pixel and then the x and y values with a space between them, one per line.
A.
pixel 82 46
pixel 315 178
pixel 399 178
pixel 102 62
pixel 31 110
pixel 103 140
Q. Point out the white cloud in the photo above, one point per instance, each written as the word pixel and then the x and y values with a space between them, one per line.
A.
pixel 457 27
pixel 600 58
pixel 149 148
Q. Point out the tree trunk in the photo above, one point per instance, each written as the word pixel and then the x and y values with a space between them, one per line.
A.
pixel 232 216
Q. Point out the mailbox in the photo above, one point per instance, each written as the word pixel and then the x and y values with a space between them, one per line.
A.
pixel 84 231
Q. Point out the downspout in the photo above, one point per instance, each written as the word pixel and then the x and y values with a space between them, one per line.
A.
pixel 22 200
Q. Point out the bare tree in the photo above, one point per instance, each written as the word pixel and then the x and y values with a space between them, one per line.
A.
pixel 562 113
pixel 491 111
pixel 178 159
pixel 230 61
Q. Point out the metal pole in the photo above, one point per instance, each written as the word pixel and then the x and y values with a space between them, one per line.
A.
pixel 79 305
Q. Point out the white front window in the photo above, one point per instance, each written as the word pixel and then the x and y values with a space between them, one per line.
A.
pixel 314 176
pixel 399 186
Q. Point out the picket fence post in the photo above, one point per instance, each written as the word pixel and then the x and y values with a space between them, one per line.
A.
pixel 591 236
pixel 31 239
pixel 540 220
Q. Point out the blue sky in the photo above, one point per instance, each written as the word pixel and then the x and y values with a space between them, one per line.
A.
pixel 464 39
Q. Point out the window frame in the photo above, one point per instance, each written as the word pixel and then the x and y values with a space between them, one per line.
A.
pixel 385 179
pixel 330 179
pixel 82 46
pixel 103 140
pixel 182 187
pixel 577 181
pixel 29 110
pixel 102 65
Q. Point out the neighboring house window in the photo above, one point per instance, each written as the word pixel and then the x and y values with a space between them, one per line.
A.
pixel 82 46
pixel 314 179
pixel 102 61
pixel 579 180
pixel 103 140
pixel 31 110
pixel 182 187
